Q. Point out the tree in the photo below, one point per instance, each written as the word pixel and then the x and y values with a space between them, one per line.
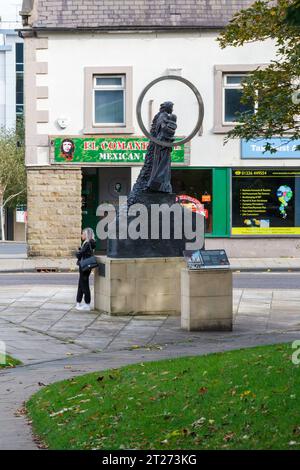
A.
pixel 12 170
pixel 273 88
pixel 293 13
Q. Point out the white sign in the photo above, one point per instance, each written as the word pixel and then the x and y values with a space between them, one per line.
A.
pixel 21 216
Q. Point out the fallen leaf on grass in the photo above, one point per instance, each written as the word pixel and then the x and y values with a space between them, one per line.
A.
pixel 203 390
pixel 200 422
pixel 60 412
pixel 20 412
pixel 228 437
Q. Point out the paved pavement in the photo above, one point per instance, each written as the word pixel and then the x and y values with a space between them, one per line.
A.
pixel 40 327
pixel 13 250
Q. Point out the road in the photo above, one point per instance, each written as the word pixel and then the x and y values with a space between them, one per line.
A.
pixel 282 280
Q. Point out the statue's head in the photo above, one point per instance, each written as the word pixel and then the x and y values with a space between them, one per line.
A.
pixel 167 106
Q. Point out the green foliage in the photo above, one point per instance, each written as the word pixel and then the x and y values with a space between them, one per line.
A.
pixel 12 166
pixel 10 362
pixel 293 13
pixel 246 399
pixel 271 87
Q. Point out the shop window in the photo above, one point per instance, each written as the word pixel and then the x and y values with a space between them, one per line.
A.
pixel 228 93
pixel 193 187
pixel 108 100
pixel 265 202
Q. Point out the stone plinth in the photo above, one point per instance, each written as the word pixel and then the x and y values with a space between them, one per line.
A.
pixel 206 300
pixel 138 286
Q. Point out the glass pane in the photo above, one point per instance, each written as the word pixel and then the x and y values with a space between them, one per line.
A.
pixel 19 67
pixel 233 105
pixel 19 82
pixel 109 106
pixel 19 109
pixel 19 52
pixel 109 81
pixel 19 97
pixel 234 79
pixel 194 191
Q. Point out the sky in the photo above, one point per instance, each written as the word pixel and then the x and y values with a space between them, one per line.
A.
pixel 9 10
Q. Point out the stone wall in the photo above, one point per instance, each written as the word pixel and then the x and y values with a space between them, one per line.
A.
pixel 54 212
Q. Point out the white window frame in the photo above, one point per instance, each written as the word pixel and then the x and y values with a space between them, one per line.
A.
pixel 228 86
pixel 220 126
pixel 92 128
pixel 121 87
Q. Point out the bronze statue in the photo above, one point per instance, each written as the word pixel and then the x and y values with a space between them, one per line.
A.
pixel 160 178
pixel 155 175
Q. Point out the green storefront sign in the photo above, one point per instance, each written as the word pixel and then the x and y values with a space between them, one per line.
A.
pixel 106 150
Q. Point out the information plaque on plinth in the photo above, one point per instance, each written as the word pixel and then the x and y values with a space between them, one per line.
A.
pixel 206 259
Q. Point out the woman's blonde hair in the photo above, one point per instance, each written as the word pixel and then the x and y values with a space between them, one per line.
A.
pixel 89 234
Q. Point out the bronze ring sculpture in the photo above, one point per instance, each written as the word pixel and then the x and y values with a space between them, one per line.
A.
pixel 200 114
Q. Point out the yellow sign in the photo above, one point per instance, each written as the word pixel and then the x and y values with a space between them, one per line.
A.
pixel 265 231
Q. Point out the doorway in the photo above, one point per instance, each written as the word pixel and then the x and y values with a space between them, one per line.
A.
pixel 102 185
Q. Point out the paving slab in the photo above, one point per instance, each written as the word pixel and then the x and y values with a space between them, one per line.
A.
pixel 54 341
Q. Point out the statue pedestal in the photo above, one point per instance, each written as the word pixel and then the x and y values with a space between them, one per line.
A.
pixel 206 300
pixel 138 286
pixel 171 214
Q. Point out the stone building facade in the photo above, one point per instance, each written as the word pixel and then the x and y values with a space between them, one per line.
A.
pixel 86 62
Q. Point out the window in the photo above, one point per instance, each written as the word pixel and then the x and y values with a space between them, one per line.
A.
pixel 19 78
pixel 108 100
pixel 227 96
pixel 194 187
pixel 232 94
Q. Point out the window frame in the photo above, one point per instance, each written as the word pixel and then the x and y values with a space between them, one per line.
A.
pixel 90 126
pixel 226 86
pixel 121 87
pixel 220 71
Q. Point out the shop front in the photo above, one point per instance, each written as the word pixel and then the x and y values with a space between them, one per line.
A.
pixel 265 202
pixel 107 163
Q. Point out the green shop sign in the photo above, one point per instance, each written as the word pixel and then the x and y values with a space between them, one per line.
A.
pixel 106 150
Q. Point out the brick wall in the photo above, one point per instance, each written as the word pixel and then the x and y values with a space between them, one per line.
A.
pixel 54 212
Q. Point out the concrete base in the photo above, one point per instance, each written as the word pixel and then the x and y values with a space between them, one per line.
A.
pixel 138 286
pixel 206 300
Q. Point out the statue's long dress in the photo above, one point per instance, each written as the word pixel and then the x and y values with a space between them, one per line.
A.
pixel 160 179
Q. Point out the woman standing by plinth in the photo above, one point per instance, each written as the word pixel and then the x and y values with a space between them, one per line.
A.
pixel 86 251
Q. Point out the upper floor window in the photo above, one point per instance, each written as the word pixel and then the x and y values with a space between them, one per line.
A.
pixel 109 100
pixel 232 95
pixel 108 107
pixel 228 93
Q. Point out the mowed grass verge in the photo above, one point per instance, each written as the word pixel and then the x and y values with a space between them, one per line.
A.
pixel 245 399
pixel 9 362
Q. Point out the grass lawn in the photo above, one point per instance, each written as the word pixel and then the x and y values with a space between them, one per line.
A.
pixel 10 362
pixel 245 399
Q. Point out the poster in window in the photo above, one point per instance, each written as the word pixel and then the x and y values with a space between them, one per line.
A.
pixel 266 202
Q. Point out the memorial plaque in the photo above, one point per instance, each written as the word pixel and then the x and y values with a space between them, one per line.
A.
pixel 206 259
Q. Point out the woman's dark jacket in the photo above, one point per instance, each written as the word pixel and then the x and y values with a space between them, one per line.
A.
pixel 86 250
